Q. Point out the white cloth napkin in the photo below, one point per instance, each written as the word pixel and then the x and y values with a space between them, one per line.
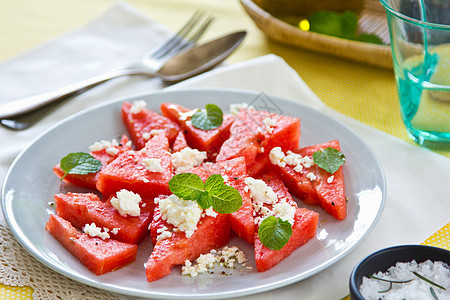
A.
pixel 418 191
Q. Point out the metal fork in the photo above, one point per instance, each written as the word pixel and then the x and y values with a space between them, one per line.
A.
pixel 21 114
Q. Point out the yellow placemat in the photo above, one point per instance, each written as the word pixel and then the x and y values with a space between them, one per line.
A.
pixel 365 93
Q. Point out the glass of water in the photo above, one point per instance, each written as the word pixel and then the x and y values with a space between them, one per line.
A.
pixel 420 42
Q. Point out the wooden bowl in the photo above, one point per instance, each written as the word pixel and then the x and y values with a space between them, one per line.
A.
pixel 372 20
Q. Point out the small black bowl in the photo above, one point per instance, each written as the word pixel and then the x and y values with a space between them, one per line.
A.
pixel 384 259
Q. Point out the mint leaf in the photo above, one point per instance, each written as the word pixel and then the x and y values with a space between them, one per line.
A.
pixel 186 186
pixel 223 198
pixel 214 183
pixel 274 233
pixel 227 200
pixel 209 118
pixel 329 159
pixel 204 200
pixel 79 163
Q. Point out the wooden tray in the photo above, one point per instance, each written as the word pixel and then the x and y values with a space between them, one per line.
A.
pixel 371 20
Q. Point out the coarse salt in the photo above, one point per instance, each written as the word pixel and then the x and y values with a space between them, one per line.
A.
pixel 438 272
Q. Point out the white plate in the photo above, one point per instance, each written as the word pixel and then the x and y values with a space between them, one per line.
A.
pixel 30 184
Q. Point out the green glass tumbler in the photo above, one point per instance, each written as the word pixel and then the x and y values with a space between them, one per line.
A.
pixel 420 43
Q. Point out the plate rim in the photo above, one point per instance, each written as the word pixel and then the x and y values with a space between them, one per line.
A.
pixel 22 240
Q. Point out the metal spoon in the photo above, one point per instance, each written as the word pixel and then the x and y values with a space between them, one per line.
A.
pixel 23 113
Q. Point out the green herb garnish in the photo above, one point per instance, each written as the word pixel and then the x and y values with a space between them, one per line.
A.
pixel 428 280
pixel 214 192
pixel 274 233
pixel 387 290
pixel 79 163
pixel 433 293
pixel 329 159
pixel 391 281
pixel 209 118
pixel 343 25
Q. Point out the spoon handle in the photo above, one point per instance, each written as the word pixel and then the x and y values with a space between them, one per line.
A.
pixel 26 105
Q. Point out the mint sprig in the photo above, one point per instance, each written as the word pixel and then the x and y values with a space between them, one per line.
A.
pixel 214 192
pixel 209 118
pixel 187 186
pixel 79 163
pixel 274 233
pixel 329 159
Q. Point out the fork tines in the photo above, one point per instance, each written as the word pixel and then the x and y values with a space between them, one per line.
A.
pixel 186 37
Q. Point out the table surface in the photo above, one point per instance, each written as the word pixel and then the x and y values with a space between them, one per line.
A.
pixel 363 92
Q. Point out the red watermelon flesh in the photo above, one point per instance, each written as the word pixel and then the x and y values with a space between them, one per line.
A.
pixel 103 155
pixel 304 228
pixel 211 233
pixel 98 255
pixel 179 143
pixel 330 196
pixel 235 170
pixel 82 209
pixel 203 140
pixel 142 123
pixel 252 138
pixel 128 171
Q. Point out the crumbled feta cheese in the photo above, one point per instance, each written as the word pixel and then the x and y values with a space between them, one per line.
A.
pixel 137 106
pixel 236 107
pixel 127 203
pixel 269 123
pixel 184 116
pixel 152 133
pixel 97 146
pixel 163 235
pixel 265 202
pixel 284 211
pixel 115 230
pixel 260 192
pixel 187 158
pixel 94 231
pixel 145 180
pixel 311 176
pixel 330 179
pixel 209 212
pixel 153 165
pixel 276 157
pixel 225 178
pixel 146 135
pixel 183 214
pixel 128 144
pixel 227 258
pixel 112 151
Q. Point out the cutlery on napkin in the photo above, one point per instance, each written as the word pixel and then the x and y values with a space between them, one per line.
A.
pixel 417 201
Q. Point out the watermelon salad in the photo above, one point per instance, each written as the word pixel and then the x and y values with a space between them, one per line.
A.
pixel 188 179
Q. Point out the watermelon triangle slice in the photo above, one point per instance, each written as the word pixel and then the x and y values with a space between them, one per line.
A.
pixel 254 133
pixel 105 154
pixel 303 229
pixel 327 190
pixel 98 255
pixel 146 172
pixel 203 140
pixel 140 124
pixel 81 209
pixel 211 233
